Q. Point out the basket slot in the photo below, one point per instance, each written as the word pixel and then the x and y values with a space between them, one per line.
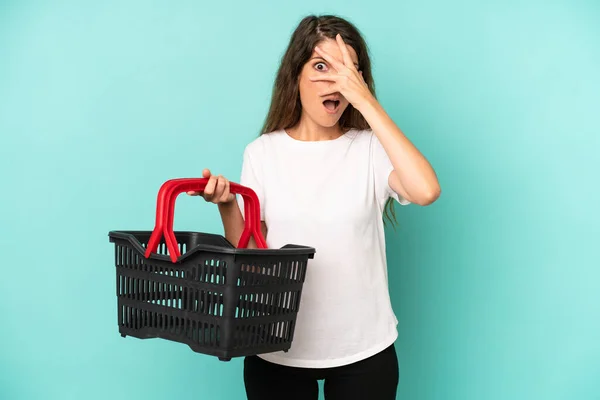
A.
pixel 207 334
pixel 252 335
pixel 212 303
pixel 211 270
pixel 261 304
pixel 257 331
pixel 255 274
pixel 170 295
pixel 151 292
pixel 135 318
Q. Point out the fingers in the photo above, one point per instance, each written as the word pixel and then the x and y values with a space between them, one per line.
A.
pixel 324 77
pixel 332 61
pixel 345 54
pixel 334 88
pixel 227 196
pixel 209 189
pixel 217 190
pixel 334 85
pixel 205 174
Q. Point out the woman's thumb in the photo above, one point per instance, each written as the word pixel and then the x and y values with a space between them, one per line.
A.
pixel 206 173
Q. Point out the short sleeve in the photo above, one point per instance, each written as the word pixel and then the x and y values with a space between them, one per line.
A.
pixel 251 176
pixel 382 167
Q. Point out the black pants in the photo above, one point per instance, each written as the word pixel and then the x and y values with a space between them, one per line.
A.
pixel 375 378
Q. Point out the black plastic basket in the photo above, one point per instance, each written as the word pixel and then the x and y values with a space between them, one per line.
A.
pixel 198 289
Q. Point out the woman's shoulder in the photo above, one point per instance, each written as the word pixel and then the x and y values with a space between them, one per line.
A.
pixel 262 142
pixel 359 133
pixel 361 136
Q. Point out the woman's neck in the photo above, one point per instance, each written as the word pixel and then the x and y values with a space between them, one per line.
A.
pixel 308 130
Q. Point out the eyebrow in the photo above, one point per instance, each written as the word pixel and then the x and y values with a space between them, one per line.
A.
pixel 321 58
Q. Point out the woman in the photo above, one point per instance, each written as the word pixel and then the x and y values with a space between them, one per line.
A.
pixel 326 168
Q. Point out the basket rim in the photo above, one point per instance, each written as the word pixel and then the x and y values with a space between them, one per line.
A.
pixel 286 250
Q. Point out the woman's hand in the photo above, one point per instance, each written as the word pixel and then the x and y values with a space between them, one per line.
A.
pixel 216 190
pixel 348 80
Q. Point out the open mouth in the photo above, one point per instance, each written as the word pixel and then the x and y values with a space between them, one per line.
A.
pixel 331 106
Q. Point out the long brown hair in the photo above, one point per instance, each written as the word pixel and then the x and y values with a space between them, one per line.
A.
pixel 285 109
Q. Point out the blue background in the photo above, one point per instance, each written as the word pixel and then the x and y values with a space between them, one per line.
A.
pixel 496 285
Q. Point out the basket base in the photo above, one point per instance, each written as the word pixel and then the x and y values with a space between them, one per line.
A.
pixel 220 354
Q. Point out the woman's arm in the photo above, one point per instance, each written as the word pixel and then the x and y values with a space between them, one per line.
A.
pixel 233 224
pixel 217 191
pixel 413 177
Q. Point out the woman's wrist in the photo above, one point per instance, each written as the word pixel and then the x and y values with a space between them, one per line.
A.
pixel 228 204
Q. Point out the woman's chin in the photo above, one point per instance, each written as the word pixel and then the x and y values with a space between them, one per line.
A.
pixel 329 120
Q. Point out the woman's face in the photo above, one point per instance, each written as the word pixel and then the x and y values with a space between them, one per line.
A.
pixel 324 110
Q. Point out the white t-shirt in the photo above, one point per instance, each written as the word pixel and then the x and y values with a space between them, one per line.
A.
pixel 329 195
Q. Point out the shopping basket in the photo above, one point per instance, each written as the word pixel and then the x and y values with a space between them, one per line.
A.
pixel 198 289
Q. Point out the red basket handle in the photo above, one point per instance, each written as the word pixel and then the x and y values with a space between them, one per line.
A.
pixel 251 209
pixel 166 206
pixel 165 210
pixel 161 210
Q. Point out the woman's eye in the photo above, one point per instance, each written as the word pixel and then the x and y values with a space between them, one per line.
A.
pixel 320 66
